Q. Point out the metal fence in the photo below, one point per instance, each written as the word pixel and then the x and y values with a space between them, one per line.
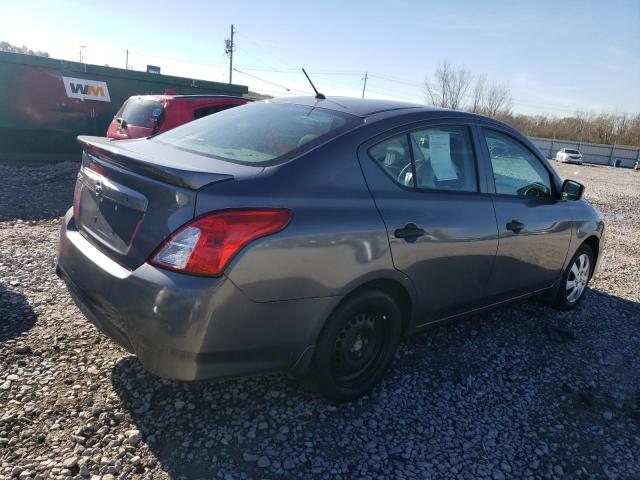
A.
pixel 591 152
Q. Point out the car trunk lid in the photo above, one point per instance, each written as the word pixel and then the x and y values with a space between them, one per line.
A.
pixel 129 197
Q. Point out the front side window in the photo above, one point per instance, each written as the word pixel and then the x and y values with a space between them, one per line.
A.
pixel 440 158
pixel 259 132
pixel 516 170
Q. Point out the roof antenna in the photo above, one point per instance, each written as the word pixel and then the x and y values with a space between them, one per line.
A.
pixel 319 95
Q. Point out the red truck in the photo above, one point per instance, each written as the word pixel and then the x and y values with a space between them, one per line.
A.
pixel 145 115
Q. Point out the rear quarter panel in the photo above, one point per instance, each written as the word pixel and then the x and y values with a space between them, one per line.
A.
pixel 335 241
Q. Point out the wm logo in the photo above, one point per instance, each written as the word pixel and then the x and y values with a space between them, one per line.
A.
pixel 86 89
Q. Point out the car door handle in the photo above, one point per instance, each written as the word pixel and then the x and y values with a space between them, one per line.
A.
pixel 410 232
pixel 515 226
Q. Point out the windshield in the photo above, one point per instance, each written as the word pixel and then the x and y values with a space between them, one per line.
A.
pixel 260 132
pixel 140 112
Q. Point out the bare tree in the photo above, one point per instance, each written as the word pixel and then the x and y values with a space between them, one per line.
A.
pixel 621 129
pixel 8 47
pixel 449 86
pixel 497 100
pixel 478 94
pixel 436 91
pixel 604 128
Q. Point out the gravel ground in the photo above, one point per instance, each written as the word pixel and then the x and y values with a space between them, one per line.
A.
pixel 519 392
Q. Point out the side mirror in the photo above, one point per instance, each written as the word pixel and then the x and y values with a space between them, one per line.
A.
pixel 572 190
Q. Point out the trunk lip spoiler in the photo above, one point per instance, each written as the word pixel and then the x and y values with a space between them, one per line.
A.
pixel 107 150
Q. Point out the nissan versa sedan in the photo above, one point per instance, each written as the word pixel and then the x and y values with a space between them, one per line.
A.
pixel 310 235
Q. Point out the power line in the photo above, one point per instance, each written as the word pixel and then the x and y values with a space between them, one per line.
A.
pixel 389 78
pixel 264 50
pixel 181 60
pixel 370 75
pixel 269 82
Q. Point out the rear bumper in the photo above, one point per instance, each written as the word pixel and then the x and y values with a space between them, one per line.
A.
pixel 185 327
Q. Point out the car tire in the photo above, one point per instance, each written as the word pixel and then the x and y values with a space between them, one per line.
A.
pixel 356 345
pixel 574 280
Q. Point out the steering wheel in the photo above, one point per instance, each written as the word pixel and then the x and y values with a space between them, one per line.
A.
pixel 533 190
pixel 403 178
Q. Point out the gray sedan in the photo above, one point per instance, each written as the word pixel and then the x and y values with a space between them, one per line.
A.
pixel 310 235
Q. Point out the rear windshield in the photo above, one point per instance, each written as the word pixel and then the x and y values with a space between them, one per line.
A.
pixel 140 112
pixel 259 132
pixel 571 152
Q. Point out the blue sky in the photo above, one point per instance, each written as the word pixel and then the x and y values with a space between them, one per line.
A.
pixel 556 56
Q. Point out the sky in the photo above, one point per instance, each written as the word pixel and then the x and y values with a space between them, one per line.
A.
pixel 557 57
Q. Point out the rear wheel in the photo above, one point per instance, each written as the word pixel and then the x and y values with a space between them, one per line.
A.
pixel 574 280
pixel 357 345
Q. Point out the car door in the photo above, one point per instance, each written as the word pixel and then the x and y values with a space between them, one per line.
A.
pixel 534 224
pixel 440 220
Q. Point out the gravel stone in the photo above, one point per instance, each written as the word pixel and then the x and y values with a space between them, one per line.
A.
pixel 522 391
pixel 250 457
pixel 133 437
pixel 264 462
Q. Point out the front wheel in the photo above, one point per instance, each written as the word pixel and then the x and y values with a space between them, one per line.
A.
pixel 574 280
pixel 357 345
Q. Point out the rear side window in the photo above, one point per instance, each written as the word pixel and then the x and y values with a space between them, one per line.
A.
pixel 394 156
pixel 259 132
pixel 439 158
pixel 203 112
pixel 571 152
pixel 516 170
pixel 141 112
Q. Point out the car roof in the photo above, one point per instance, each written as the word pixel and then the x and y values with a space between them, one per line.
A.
pixel 361 107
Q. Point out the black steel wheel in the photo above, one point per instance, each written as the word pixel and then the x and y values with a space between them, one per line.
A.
pixel 357 345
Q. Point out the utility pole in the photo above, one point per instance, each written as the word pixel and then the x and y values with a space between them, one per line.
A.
pixel 81 48
pixel 366 75
pixel 229 47
pixel 126 65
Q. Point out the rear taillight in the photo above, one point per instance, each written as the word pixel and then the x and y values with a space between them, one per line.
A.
pixel 96 168
pixel 206 245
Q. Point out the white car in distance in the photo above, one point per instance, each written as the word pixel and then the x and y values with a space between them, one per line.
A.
pixel 569 155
